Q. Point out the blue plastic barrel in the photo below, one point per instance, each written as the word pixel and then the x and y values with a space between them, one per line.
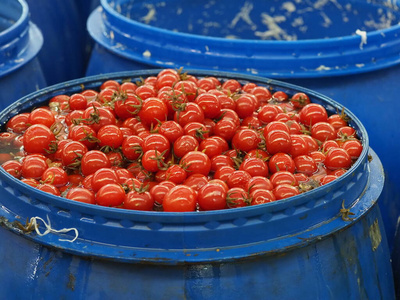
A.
pixel 63 55
pixel 302 247
pixel 347 50
pixel 20 42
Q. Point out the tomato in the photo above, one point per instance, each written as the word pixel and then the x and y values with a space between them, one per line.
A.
pixel 353 147
pixel 299 100
pixel 196 162
pixel 299 145
pixel 102 177
pixel 132 147
pixel 323 131
pixel 220 160
pixel 305 164
pixel 84 134
pixel 283 177
pixel 238 178
pixel 210 105
pixel 223 173
pixel 180 198
pixel 13 167
pixel 38 138
pixel 257 183
pixel 72 153
pixel 212 196
pixel 246 104
pixel 48 188
pixel 127 106
pixel 176 174
pixel 246 140
pixel 254 166
pixel 18 123
pixel 153 110
pixel 278 141
pixel 111 195
pixel 318 156
pixel 337 120
pixel 312 143
pixel 196 181
pixel 159 191
pixel 328 145
pixel 74 117
pixel 138 201
pixel 97 117
pixel 337 158
pixel 262 94
pixel 77 102
pixel 262 196
pixel 184 145
pixel 197 130
pixel 156 142
pixel 171 130
pixel 128 87
pixel 268 113
pixel 168 79
pixel 146 91
pixel 226 129
pixel 33 166
pixel 327 178
pixel 284 191
pixel 280 96
pixel 41 116
pixel 55 176
pixel 313 113
pixel 232 85
pixel 210 146
pixel 152 160
pixel 191 113
pixel 237 197
pixel 92 161
pixel 81 194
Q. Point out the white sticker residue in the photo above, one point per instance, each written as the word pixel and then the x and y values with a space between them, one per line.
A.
pixel 363 35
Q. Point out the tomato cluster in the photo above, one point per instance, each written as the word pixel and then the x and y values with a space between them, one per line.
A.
pixel 174 142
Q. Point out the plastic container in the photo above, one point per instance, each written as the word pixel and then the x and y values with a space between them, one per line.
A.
pixel 347 50
pixel 20 43
pixel 63 54
pixel 303 247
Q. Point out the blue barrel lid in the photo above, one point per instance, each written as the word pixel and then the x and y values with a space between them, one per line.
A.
pixel 113 26
pixel 20 40
pixel 169 237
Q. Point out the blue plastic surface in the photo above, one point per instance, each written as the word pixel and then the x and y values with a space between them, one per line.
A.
pixel 347 50
pixel 294 248
pixel 63 55
pixel 20 42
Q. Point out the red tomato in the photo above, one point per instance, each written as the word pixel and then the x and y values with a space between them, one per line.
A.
pixel 55 176
pixel 278 141
pixel 48 188
pixel 259 183
pixel 72 153
pixel 138 201
pixel 196 181
pixel 284 191
pixel 180 198
pixel 337 158
pixel 33 166
pixel 262 196
pixel 159 191
pixel 92 161
pixel 212 196
pixel 305 164
pixel 13 167
pixel 238 178
pixel 110 136
pixel 132 147
pixel 237 197
pixel 323 131
pixel 313 113
pixel 176 174
pixel 111 195
pixel 254 166
pixel 84 134
pixel 299 100
pixel 246 140
pixel 18 123
pixel 81 194
pixel 353 147
pixel 184 145
pixel 41 116
pixel 38 138
pixel 196 162
pixel 97 117
pixel 210 105
pixel 102 177
pixel 283 177
pixel 153 110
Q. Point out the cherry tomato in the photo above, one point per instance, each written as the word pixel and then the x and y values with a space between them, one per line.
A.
pixel 110 136
pixel 337 158
pixel 313 113
pixel 262 196
pixel 237 197
pixel 138 201
pixel 33 166
pixel 196 162
pixel 92 161
pixel 111 195
pixel 212 196
pixel 55 176
pixel 305 164
pixel 284 191
pixel 259 183
pixel 13 167
pixel 254 166
pixel 81 194
pixel 159 191
pixel 278 141
pixel 38 138
pixel 246 140
pixel 153 110
pixel 180 198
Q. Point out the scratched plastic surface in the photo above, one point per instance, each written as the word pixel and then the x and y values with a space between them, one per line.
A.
pixel 244 252
pixel 20 42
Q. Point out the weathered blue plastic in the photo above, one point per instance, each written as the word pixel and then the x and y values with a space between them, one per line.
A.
pixel 63 55
pixel 297 248
pixel 20 42
pixel 347 50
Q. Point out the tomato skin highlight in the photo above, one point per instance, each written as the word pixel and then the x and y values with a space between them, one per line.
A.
pixel 180 198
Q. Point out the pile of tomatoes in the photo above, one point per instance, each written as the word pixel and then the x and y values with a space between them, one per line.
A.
pixel 174 142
